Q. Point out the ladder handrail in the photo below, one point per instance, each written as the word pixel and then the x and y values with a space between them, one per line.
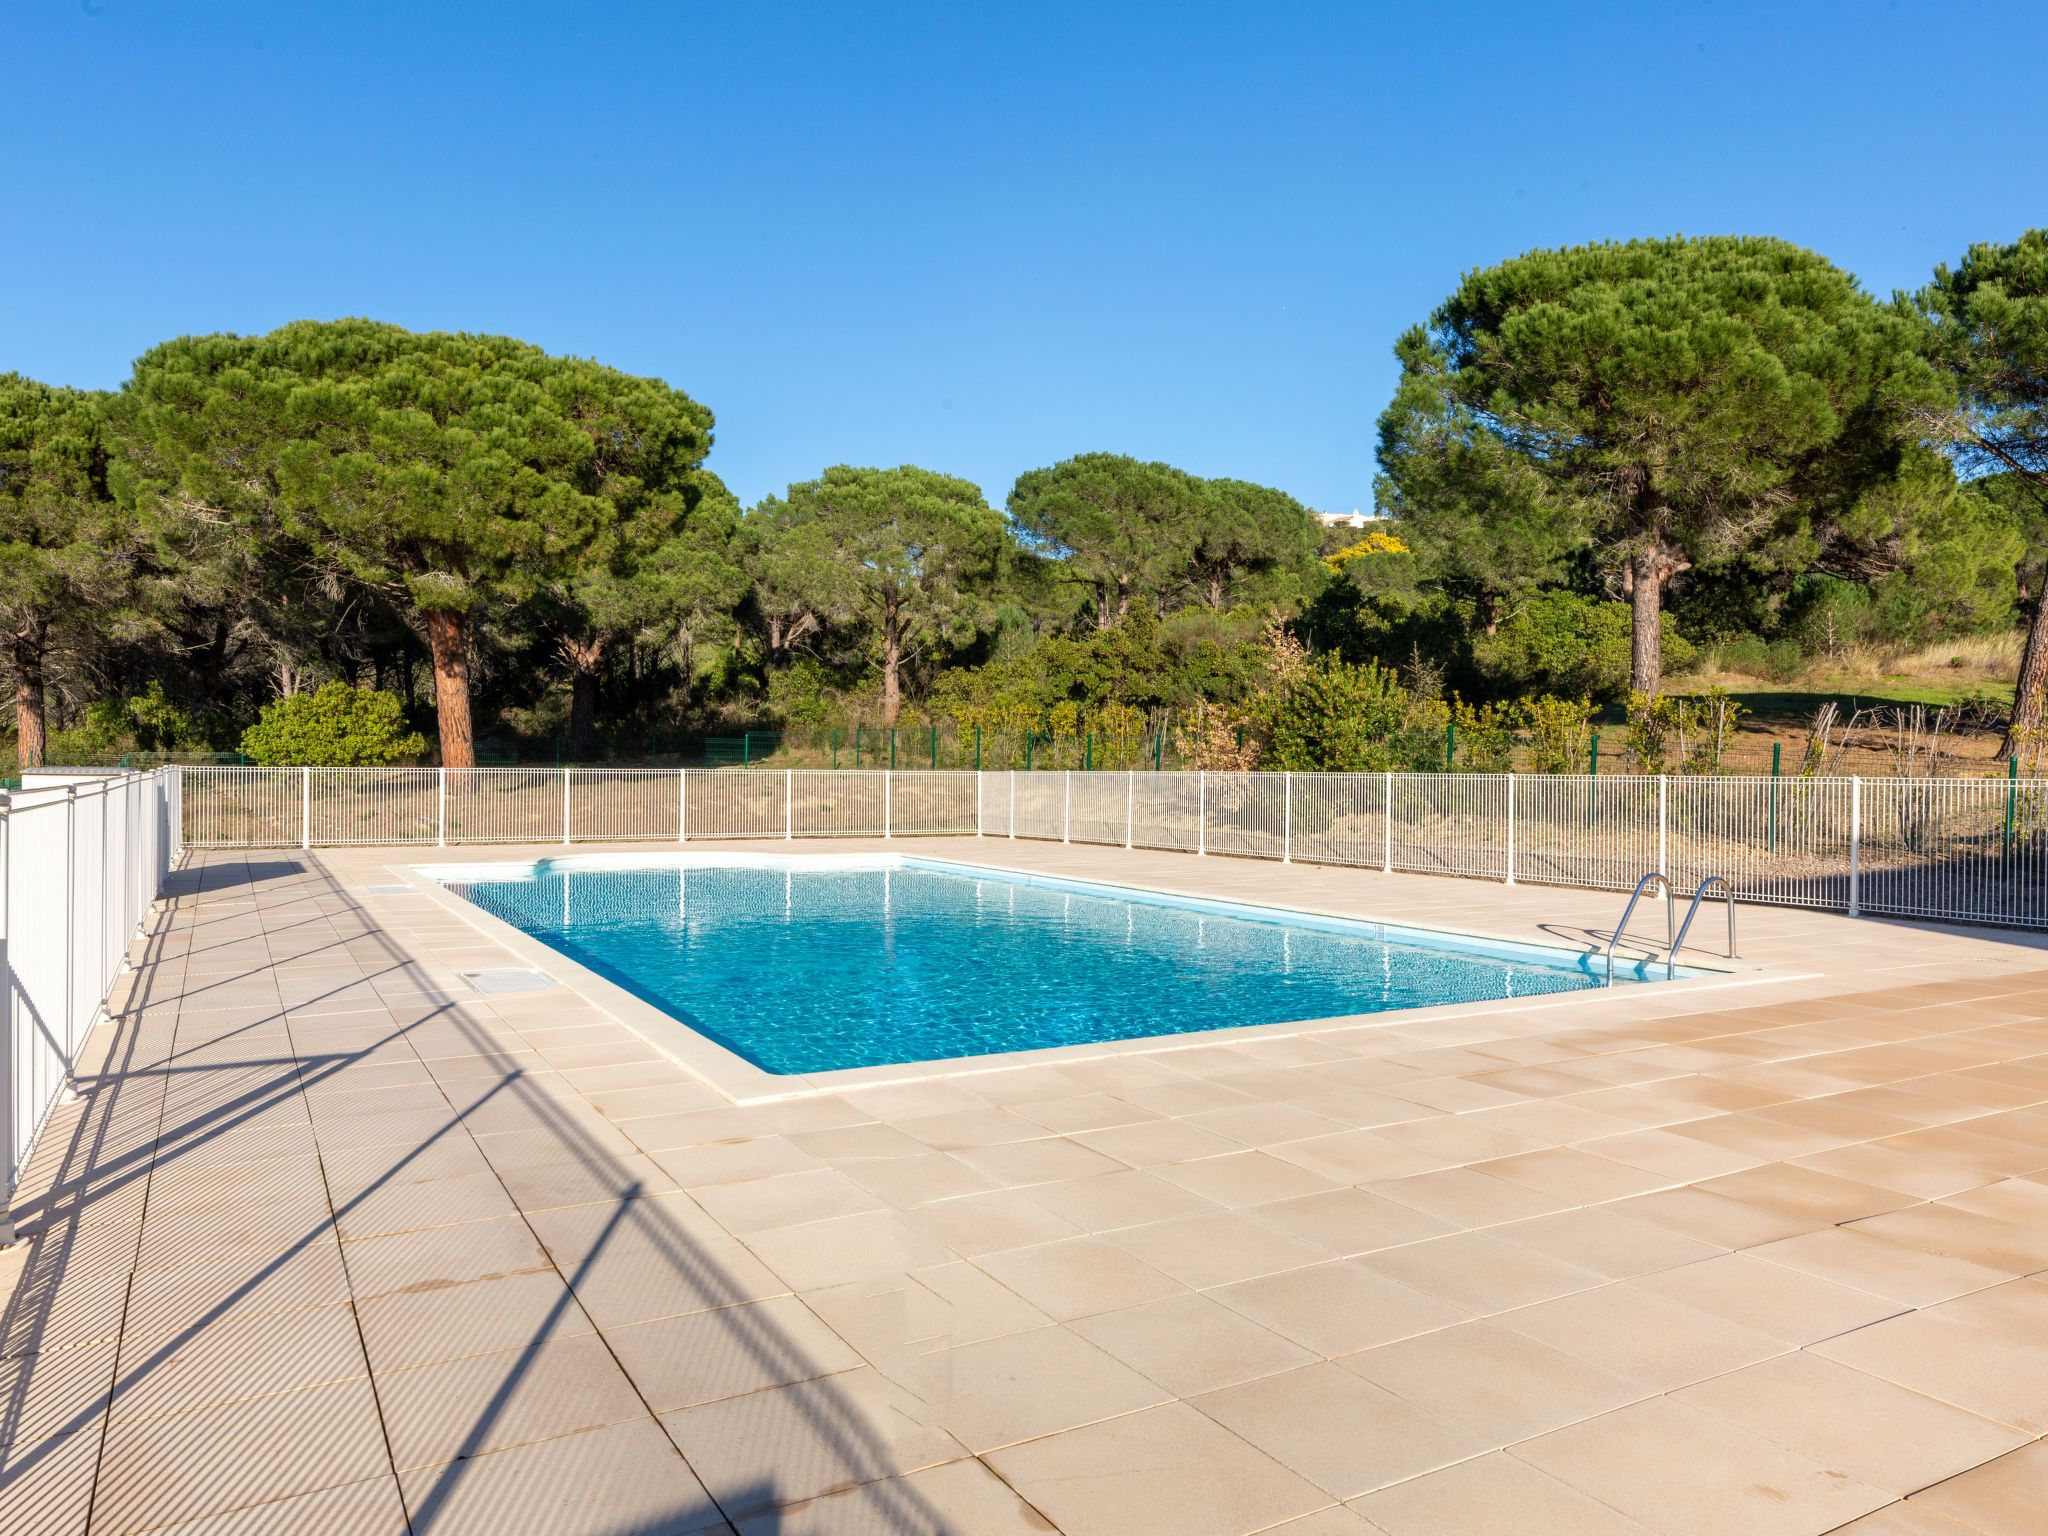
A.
pixel 1728 887
pixel 1629 911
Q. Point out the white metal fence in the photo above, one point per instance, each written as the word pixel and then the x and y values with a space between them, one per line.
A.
pixel 1964 849
pixel 80 863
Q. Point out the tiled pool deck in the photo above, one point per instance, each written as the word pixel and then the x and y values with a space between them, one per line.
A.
pixel 333 1243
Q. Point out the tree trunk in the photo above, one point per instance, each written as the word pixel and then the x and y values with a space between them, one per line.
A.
pixel 447 646
pixel 1123 598
pixel 31 737
pixel 584 657
pixel 1647 570
pixel 686 647
pixel 1216 588
pixel 2023 736
pixel 892 663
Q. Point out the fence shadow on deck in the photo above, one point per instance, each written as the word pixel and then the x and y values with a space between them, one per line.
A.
pixel 106 1161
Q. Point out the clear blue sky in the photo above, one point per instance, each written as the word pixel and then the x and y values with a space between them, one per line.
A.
pixel 976 238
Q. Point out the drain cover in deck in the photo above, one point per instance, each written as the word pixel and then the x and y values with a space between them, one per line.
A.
pixel 507 979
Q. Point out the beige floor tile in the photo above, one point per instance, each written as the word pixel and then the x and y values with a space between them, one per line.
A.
pixel 583 1180
pixel 989 1223
pixel 924 1311
pixel 420 1327
pixel 1479 1272
pixel 1169 1470
pixel 679 1362
pixel 1216 1249
pixel 961 1496
pixel 870 1246
pixel 1771 1299
pixel 1575 1174
pixel 46 1489
pixel 753 1157
pixel 1245 1178
pixel 1646 1339
pixel 245 1285
pixel 1191 1344
pixel 625 1477
pixel 1919 1174
pixel 1961 1234
pixel 2022 1201
pixel 1710 1218
pixel 1982 1372
pixel 1467 1199
pixel 1360 1157
pixel 155 1472
pixel 1504 1385
pixel 1688 1473
pixel 1108 1201
pixel 1337 1520
pixel 1349 1221
pixel 1018 1164
pixel 915 1181
pixel 785 1200
pixel 1866 1428
pixel 1335 1309
pixel 1898 1271
pixel 436 1256
pixel 1669 1154
pixel 57 1392
pixel 1596 1239
pixel 1806 1193
pixel 1338 1430
pixel 1492 1495
pixel 2006 1497
pixel 405 1206
pixel 461 1408
pixel 1079 1277
pixel 2017 1309
pixel 1001 1391
pixel 1153 1142
pixel 1904 1519
pixel 802 1441
pixel 372 1508
pixel 236 1358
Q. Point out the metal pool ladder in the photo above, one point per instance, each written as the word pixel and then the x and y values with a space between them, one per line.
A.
pixel 1727 896
pixel 1673 941
pixel 1629 911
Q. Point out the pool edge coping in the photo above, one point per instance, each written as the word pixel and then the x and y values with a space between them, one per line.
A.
pixel 744 1083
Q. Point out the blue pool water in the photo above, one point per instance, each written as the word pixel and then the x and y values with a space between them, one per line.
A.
pixel 813 969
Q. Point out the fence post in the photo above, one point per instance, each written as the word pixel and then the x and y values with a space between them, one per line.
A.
pixel 1202 810
pixel 1855 847
pixel 888 808
pixel 979 785
pixel 1130 806
pixel 565 809
pixel 788 804
pixel 1771 828
pixel 1013 805
pixel 1511 827
pixel 2012 793
pixel 682 805
pixel 1067 805
pixel 7 1087
pixel 305 808
pixel 977 752
pixel 1387 827
pixel 1663 838
pixel 441 808
pixel 1286 818
pixel 70 918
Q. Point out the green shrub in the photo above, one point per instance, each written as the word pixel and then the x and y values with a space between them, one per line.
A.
pixel 1559 733
pixel 1338 718
pixel 336 726
pixel 1561 643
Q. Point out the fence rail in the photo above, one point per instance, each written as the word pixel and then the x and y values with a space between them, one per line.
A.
pixel 80 863
pixel 1961 849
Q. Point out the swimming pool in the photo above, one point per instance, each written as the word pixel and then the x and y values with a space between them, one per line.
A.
pixel 813 963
